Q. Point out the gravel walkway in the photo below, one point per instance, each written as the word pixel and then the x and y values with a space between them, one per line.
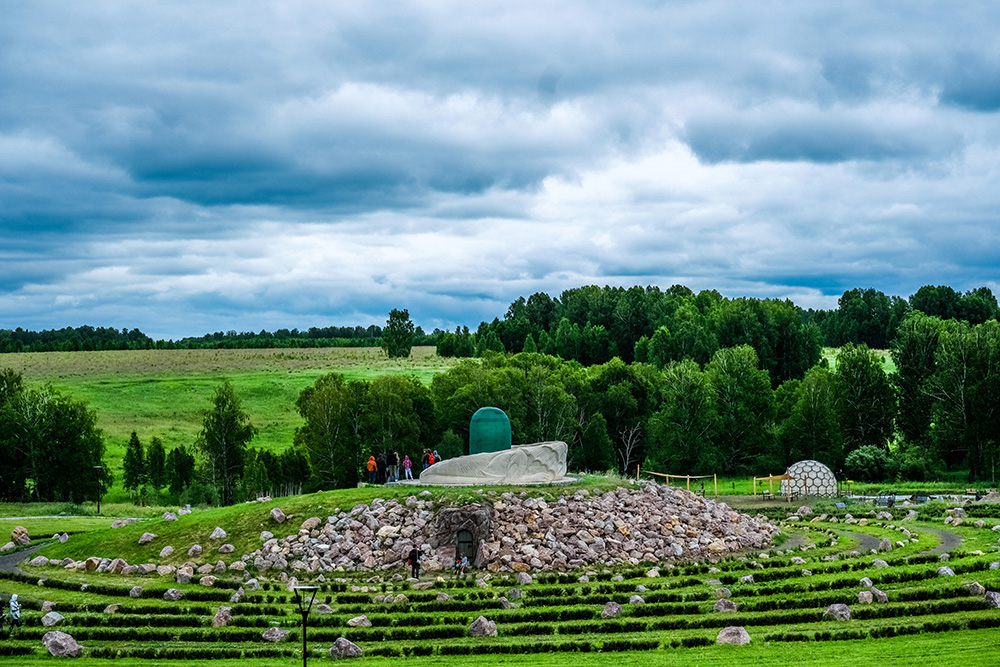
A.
pixel 948 541
pixel 865 542
pixel 9 562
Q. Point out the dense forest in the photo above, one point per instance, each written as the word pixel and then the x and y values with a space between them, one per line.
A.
pixel 601 323
pixel 670 380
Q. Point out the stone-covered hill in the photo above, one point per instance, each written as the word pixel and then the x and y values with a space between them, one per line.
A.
pixel 518 532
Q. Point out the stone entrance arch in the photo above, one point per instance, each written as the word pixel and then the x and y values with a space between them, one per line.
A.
pixel 462 527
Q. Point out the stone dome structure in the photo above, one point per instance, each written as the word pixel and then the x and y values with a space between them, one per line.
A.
pixel 810 478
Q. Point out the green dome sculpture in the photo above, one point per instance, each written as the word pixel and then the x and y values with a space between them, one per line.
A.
pixel 489 431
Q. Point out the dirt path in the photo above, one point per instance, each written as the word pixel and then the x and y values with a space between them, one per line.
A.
pixel 9 562
pixel 948 541
pixel 865 542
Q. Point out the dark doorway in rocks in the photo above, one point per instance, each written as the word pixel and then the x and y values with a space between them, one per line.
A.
pixel 464 545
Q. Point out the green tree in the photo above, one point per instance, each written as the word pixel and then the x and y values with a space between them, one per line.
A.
pixel 681 432
pixel 866 402
pixel 180 470
pixel 50 446
pixel 593 451
pixel 398 334
pixel 333 410
pixel 133 465
pixel 812 431
pixel 965 385
pixel 913 353
pixel 156 464
pixel 226 432
pixel 744 403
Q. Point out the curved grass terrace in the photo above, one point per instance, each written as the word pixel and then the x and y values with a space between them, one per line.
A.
pixel 927 617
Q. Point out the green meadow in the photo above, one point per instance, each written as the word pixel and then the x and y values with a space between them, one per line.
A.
pixel 164 393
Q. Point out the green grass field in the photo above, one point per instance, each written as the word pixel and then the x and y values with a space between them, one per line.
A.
pixel 929 619
pixel 164 393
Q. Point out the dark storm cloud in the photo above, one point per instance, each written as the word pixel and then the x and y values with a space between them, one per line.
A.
pixel 188 167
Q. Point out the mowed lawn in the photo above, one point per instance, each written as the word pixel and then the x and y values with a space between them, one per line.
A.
pixel 165 393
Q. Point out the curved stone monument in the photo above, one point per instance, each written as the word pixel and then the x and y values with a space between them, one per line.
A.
pixel 538 463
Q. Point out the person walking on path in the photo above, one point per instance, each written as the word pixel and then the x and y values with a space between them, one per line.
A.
pixel 15 611
pixel 407 464
pixel 414 560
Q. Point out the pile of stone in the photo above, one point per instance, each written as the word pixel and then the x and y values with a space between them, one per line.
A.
pixel 18 538
pixel 520 533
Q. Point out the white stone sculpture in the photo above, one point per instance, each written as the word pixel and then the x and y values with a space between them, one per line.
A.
pixel 538 463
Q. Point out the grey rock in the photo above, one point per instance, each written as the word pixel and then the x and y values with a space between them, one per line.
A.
pixel 865 582
pixel 222 617
pixel 734 634
pixel 275 635
pixel 217 534
pixel 52 618
pixel 837 612
pixel 195 551
pixel 61 645
pixel 992 600
pixel 344 648
pixel 166 551
pixel 865 597
pixel 173 594
pixel 945 571
pixel 135 592
pixel 975 588
pixel 278 516
pixel 147 537
pixel 636 599
pixel 879 596
pixel 169 516
pixel 725 605
pixel 359 622
pixel 483 627
pixel 611 610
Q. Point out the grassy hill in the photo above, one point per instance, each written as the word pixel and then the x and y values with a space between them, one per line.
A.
pixel 928 617
pixel 164 393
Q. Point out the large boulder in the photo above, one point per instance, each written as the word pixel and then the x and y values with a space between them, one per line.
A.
pixel 222 617
pixel 61 645
pixel 146 538
pixel 135 592
pixel 992 600
pixel 974 588
pixel 879 596
pixel 278 516
pixel 344 648
pixel 166 551
pixel 173 594
pixel 195 550
pixel 734 634
pixel 945 571
pixel 359 622
pixel 169 516
pixel 483 627
pixel 275 635
pixel 217 534
pixel 837 612
pixel 865 597
pixel 19 536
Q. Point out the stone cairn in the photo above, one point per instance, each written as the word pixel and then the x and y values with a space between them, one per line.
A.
pixel 649 523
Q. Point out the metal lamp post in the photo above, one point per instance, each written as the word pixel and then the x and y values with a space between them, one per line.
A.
pixel 300 598
pixel 99 469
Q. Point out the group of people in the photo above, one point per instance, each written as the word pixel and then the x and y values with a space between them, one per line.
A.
pixel 386 468
pixel 413 560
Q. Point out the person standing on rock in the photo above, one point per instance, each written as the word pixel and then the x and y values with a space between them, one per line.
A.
pixel 407 464
pixel 15 611
pixel 414 560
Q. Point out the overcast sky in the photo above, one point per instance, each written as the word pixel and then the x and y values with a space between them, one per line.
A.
pixel 189 167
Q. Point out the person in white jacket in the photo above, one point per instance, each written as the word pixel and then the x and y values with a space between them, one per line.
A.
pixel 15 611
